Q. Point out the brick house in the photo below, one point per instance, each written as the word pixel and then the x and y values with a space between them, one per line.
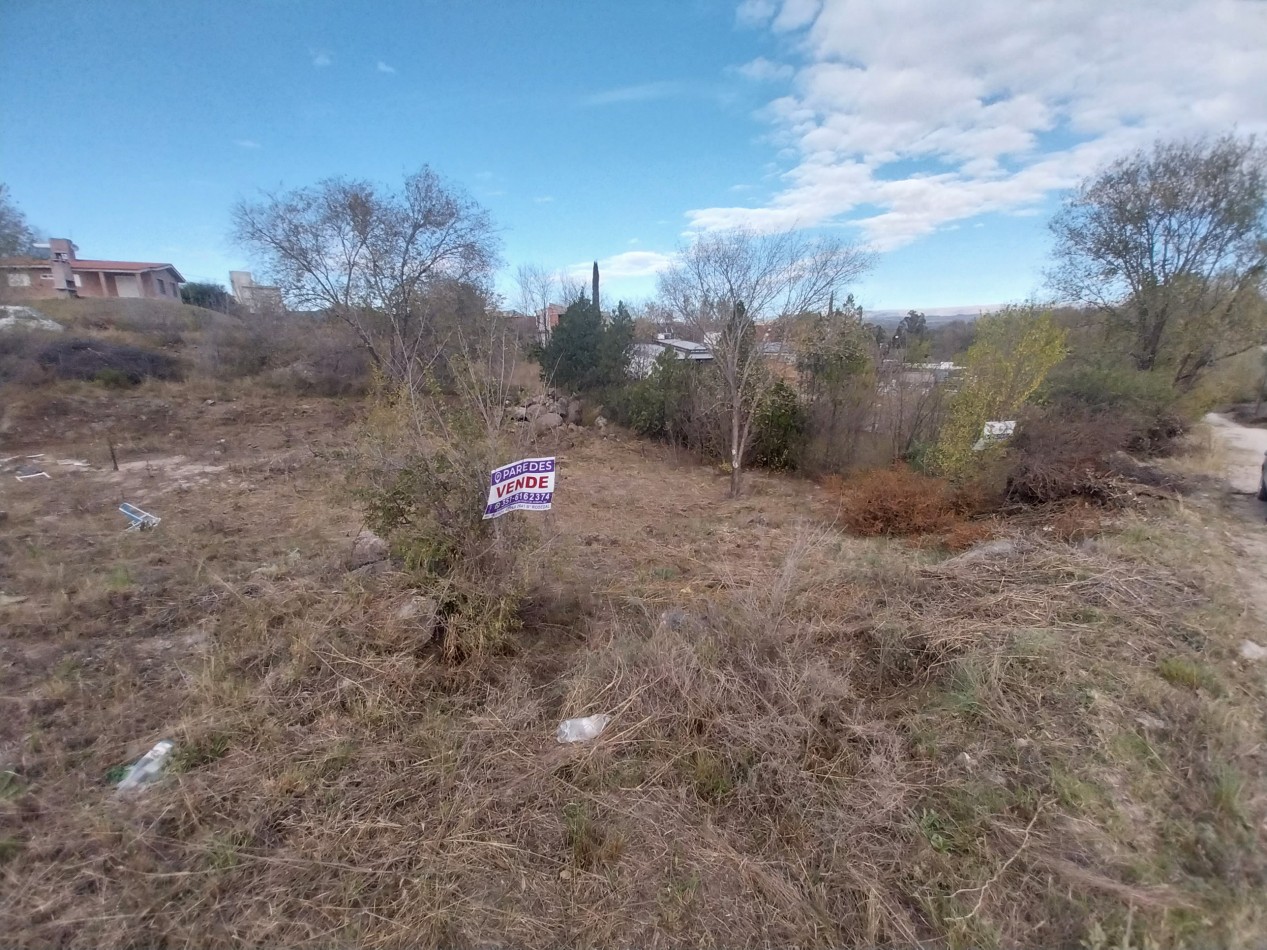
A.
pixel 53 270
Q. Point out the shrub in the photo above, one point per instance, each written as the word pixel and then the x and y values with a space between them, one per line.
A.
pixel 674 404
pixel 209 295
pixel 426 497
pixel 780 426
pixel 1140 408
pixel 110 363
pixel 898 502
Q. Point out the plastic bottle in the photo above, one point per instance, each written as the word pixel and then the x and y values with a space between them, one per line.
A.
pixel 148 767
pixel 580 730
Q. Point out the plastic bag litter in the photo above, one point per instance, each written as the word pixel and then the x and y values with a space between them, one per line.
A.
pixel 582 729
pixel 148 767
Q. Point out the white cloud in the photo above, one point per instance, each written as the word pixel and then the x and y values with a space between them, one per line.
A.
pixel 998 107
pixel 625 264
pixel 320 58
pixel 246 143
pixel 796 14
pixel 756 12
pixel 543 199
pixel 382 67
pixel 642 92
pixel 764 70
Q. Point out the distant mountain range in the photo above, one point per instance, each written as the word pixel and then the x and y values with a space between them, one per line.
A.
pixel 934 315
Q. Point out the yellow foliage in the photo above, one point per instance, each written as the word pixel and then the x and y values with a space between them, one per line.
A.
pixel 1014 351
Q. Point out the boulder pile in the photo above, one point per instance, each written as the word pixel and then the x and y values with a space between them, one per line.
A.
pixel 550 410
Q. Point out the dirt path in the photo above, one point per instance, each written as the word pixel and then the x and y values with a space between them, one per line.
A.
pixel 1245 447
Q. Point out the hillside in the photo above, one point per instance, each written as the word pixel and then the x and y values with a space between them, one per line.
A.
pixel 816 739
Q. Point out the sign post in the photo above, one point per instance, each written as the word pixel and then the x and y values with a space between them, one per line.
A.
pixel 526 485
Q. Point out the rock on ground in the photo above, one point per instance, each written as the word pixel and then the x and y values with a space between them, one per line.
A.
pixel 421 613
pixel 547 421
pixel 368 548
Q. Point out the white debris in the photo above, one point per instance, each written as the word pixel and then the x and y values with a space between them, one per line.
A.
pixel 994 432
pixel 1252 651
pixel 583 729
pixel 148 767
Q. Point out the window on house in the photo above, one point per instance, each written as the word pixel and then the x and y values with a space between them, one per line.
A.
pixel 162 289
pixel 79 281
pixel 19 280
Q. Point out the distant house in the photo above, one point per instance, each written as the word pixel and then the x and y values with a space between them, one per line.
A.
pixel 547 320
pixel 644 355
pixel 253 297
pixel 53 270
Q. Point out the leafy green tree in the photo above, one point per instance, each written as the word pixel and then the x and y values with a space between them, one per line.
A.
pixel 1171 245
pixel 615 348
pixel 662 406
pixel 912 329
pixel 833 361
pixel 780 426
pixel 1013 353
pixel 15 233
pixel 571 358
pixel 586 353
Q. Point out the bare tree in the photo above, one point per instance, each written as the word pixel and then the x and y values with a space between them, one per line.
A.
pixel 572 287
pixel 15 233
pixel 537 290
pixel 370 256
pixel 1171 244
pixel 726 282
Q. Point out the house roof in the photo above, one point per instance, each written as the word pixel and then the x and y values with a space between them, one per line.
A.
pixel 113 267
pixel 687 349
pixel 127 267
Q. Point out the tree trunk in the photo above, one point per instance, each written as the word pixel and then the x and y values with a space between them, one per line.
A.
pixel 736 451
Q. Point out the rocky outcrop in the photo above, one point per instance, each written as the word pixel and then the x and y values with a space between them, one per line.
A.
pixel 24 318
pixel 570 411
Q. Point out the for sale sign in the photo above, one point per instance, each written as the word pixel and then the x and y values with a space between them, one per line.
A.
pixel 526 485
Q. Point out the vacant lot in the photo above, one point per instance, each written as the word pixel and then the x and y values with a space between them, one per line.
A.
pixel 817 740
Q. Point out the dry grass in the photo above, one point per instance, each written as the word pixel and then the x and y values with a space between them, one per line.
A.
pixel 834 741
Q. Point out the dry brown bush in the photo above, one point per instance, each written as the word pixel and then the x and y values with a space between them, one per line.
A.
pixel 1055 457
pixel 897 502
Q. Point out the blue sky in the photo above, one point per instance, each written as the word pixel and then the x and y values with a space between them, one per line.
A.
pixel 941 136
